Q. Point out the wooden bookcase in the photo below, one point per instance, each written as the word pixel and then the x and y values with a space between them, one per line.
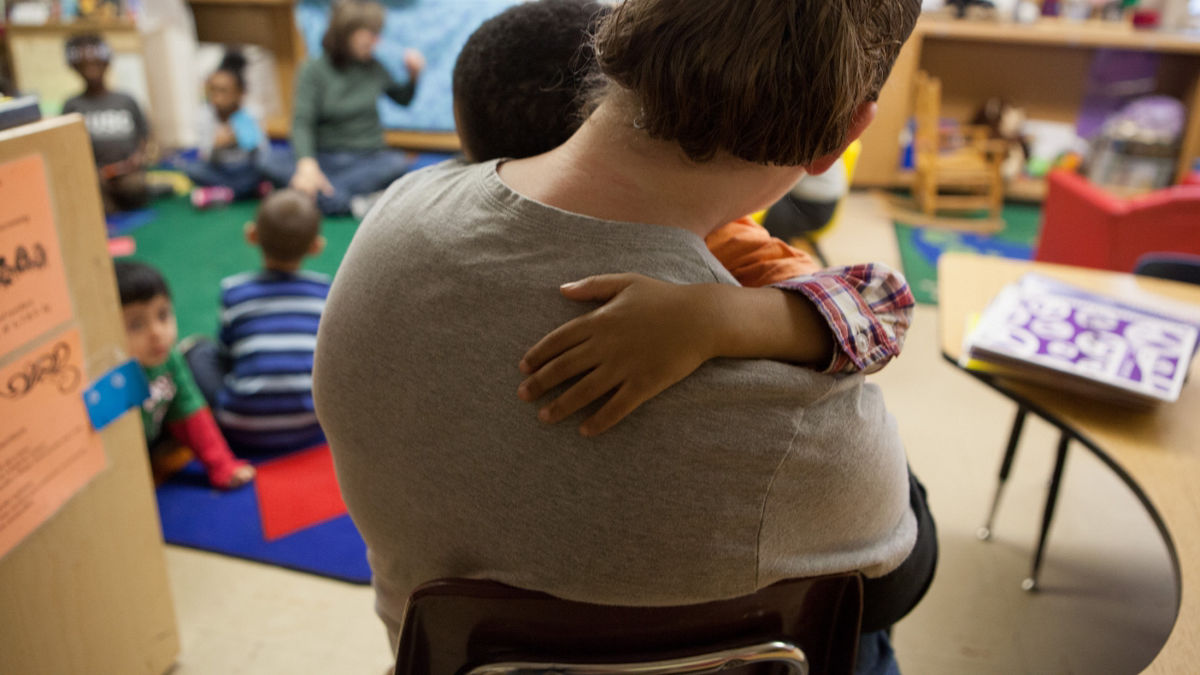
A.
pixel 1041 67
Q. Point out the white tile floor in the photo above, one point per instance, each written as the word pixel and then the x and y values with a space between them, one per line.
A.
pixel 1107 595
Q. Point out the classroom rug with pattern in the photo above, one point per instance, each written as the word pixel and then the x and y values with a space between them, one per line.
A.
pixel 920 247
pixel 292 515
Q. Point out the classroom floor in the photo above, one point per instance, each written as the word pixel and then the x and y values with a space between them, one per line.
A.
pixel 1107 593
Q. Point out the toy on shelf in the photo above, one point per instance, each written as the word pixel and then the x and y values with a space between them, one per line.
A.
pixel 1138 148
pixel 1005 122
pixel 971 172
pixel 98 9
pixel 973 9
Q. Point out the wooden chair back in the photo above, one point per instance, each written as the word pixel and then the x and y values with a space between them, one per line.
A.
pixel 927 116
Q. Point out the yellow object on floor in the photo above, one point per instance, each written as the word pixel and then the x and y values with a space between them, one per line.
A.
pixel 178 181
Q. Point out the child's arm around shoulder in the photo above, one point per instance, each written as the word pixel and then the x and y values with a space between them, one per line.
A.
pixel 650 334
pixel 754 257
pixel 867 308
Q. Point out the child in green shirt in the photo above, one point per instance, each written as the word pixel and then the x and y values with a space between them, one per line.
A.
pixel 175 402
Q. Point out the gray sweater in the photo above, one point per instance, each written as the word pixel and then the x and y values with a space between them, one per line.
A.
pixel 745 473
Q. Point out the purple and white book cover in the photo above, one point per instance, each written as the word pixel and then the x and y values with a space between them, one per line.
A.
pixel 1044 323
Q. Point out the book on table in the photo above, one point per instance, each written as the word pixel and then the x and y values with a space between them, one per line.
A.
pixel 1044 331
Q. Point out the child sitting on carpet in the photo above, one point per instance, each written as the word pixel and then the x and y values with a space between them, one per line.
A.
pixel 175 402
pixel 519 87
pixel 233 147
pixel 118 129
pixel 259 378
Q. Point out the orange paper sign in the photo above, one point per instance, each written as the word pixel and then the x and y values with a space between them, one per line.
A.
pixel 33 282
pixel 48 450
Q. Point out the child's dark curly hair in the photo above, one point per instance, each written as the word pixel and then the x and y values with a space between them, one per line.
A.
pixel 519 78
pixel 234 63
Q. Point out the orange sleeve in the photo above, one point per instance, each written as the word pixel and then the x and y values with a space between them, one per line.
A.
pixel 754 257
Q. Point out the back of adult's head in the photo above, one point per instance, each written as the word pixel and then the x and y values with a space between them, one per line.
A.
pixel 767 81
pixel 346 17
pixel 519 79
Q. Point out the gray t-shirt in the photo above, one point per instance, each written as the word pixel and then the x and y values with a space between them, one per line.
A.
pixel 114 122
pixel 744 473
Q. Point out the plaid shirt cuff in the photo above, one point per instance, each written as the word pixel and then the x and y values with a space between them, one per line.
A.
pixel 868 307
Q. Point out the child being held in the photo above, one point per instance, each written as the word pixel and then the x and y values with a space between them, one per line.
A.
pixel 519 87
pixel 115 123
pixel 259 378
pixel 175 402
pixel 233 148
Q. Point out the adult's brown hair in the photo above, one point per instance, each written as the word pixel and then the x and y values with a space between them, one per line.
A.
pixel 345 17
pixel 768 81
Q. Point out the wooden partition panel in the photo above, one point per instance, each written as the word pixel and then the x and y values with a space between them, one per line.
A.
pixel 270 24
pixel 87 591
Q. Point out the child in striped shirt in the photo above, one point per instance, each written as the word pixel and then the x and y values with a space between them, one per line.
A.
pixel 259 376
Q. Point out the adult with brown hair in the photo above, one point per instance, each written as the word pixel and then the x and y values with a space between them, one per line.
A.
pixel 336 134
pixel 744 473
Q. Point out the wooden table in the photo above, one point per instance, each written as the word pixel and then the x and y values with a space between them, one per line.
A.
pixel 1157 453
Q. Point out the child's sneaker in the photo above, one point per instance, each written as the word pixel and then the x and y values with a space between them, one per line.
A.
pixel 204 197
pixel 361 204
pixel 265 188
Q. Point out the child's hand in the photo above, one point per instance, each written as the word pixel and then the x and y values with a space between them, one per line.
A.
pixel 309 178
pixel 224 136
pixel 648 335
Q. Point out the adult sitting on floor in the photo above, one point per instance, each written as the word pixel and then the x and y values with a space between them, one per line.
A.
pixel 745 473
pixel 336 134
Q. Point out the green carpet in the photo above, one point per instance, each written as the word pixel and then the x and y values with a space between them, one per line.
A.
pixel 196 249
pixel 920 247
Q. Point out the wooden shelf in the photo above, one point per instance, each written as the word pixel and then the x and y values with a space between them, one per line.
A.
pixel 243 3
pixel 279 128
pixel 1021 189
pixel 430 141
pixel 1062 33
pixel 1042 68
pixel 78 26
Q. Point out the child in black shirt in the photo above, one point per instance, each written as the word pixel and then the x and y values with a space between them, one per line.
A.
pixel 115 123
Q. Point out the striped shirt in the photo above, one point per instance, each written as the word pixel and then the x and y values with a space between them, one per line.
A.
pixel 268 333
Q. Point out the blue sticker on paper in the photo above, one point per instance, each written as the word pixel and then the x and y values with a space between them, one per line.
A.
pixel 118 390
